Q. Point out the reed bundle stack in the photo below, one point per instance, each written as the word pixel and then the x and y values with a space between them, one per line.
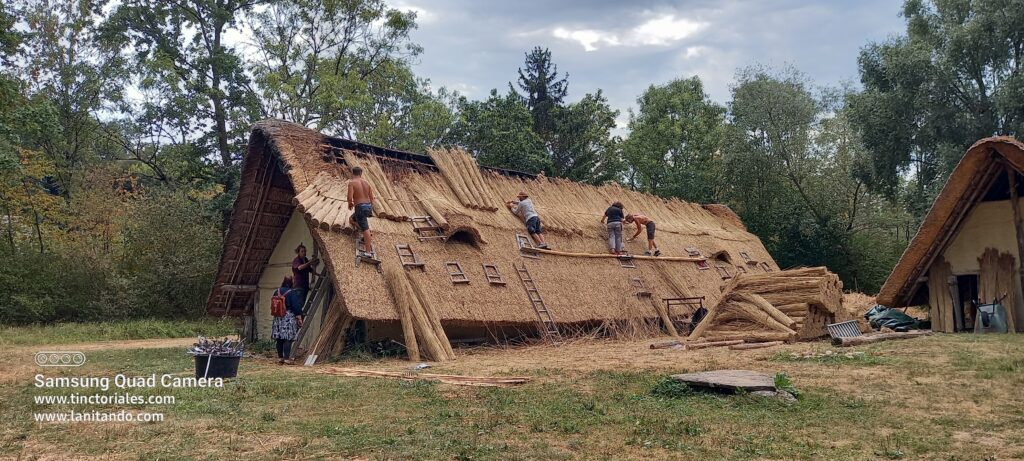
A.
pixel 775 306
pixel 996 279
pixel 421 325
pixel 462 173
pixel 331 339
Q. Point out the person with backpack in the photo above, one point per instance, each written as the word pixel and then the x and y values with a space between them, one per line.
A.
pixel 286 309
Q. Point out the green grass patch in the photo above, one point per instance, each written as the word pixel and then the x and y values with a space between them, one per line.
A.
pixel 841 358
pixel 272 411
pixel 67 333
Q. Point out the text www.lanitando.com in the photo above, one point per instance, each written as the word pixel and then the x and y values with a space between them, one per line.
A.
pixel 97 417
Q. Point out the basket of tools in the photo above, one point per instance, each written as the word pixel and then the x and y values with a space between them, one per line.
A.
pixel 217 358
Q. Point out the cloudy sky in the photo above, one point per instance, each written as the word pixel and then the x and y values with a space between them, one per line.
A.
pixel 623 47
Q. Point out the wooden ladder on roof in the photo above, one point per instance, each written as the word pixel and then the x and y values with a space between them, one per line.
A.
pixel 546 323
pixel 408 258
pixel 369 257
pixel 427 229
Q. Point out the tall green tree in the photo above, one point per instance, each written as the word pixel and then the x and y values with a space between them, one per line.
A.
pixel 340 66
pixel 794 164
pixel 74 79
pixel 498 131
pixel 9 37
pixel 543 90
pixel 180 50
pixel 583 147
pixel 956 76
pixel 673 149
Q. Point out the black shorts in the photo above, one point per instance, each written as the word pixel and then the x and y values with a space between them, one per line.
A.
pixel 363 211
pixel 533 225
pixel 650 230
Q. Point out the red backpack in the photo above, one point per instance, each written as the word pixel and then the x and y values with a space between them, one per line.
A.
pixel 278 308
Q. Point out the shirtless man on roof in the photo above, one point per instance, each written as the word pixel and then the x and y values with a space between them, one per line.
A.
pixel 360 197
pixel 642 222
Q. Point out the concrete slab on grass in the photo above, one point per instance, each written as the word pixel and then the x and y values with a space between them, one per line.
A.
pixel 729 380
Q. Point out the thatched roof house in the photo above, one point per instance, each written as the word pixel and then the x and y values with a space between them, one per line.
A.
pixel 969 245
pixel 293 190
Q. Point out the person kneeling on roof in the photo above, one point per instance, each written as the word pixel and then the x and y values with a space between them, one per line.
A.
pixel 613 218
pixel 642 221
pixel 360 197
pixel 525 210
pixel 287 321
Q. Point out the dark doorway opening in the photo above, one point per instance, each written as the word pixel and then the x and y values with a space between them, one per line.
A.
pixel 965 303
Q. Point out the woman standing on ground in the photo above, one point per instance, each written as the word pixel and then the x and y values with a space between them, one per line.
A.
pixel 613 218
pixel 286 328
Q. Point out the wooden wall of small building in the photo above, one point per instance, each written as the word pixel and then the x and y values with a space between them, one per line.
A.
pixel 987 225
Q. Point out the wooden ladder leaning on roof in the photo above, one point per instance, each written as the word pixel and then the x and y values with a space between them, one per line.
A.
pixel 318 297
pixel 546 323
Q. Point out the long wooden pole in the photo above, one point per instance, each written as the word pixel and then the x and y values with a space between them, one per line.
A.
pixel 598 255
pixel 1011 311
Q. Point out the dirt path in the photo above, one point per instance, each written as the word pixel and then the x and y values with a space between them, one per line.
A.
pixel 18 363
pixel 107 345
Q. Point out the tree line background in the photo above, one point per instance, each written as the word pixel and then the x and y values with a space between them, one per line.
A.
pixel 122 126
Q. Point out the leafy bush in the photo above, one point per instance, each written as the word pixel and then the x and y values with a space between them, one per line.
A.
pixel 783 383
pixel 170 256
pixel 670 388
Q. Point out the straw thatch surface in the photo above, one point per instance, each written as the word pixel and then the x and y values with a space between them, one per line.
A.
pixel 976 169
pixel 311 171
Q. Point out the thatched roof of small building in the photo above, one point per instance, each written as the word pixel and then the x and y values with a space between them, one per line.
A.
pixel 983 164
pixel 289 166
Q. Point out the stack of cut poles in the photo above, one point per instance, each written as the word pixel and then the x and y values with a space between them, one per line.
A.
pixel 775 306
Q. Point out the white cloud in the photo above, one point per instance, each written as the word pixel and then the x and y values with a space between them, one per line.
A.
pixel 589 38
pixel 666 29
pixel 659 31
pixel 694 51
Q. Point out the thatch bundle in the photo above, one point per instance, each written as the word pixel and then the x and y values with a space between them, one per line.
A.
pixel 324 203
pixel 997 278
pixel 421 326
pixel 463 175
pixel 331 339
pixel 775 306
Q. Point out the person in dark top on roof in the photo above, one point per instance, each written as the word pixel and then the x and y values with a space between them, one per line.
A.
pixel 301 268
pixel 612 218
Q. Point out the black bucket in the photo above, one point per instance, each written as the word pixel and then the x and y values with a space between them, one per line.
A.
pixel 220 367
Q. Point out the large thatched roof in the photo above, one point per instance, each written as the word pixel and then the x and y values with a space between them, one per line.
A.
pixel 978 169
pixel 285 160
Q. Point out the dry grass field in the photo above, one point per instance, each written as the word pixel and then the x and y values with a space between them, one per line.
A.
pixel 945 397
